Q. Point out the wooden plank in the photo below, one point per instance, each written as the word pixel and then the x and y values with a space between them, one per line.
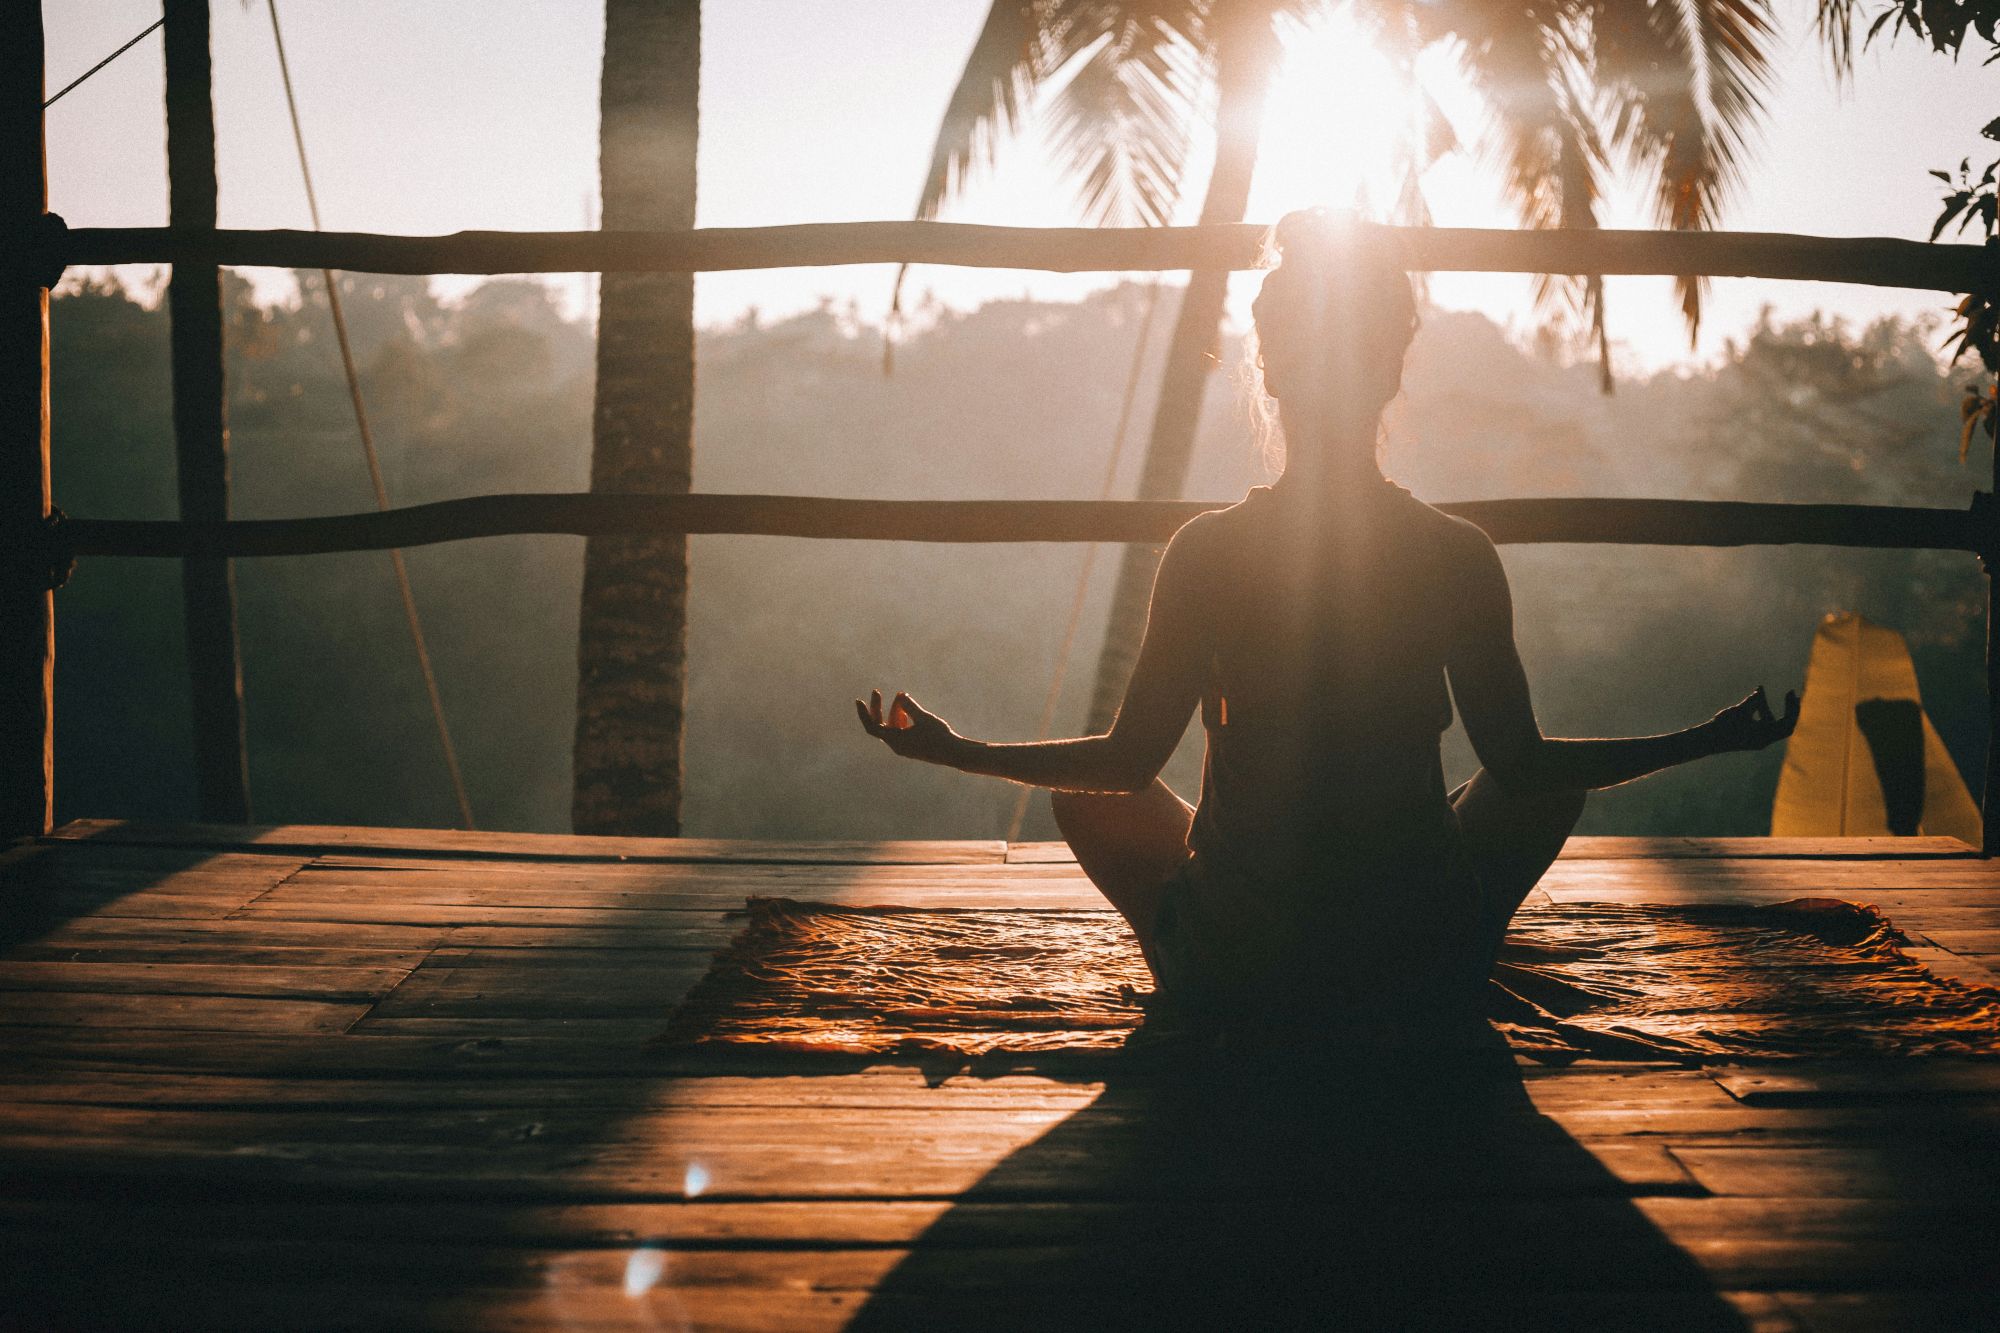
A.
pixel 639 1089
pixel 1848 1082
pixel 1946 1306
pixel 1858 1171
pixel 587 964
pixel 1975 943
pixel 27 606
pixel 662 909
pixel 347 985
pixel 53 866
pixel 535 1054
pixel 1691 879
pixel 226 952
pixel 560 1153
pixel 684 930
pixel 636 987
pixel 185 1013
pixel 1954 967
pixel 89 933
pixel 1799 1125
pixel 747 1226
pixel 1040 853
pixel 1599 848
pixel 315 839
pixel 1387 1278
pixel 338 868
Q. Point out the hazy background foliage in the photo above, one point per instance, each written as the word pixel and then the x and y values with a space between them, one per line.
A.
pixel 1015 399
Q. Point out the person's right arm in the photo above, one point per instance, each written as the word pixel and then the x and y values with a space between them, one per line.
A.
pixel 1491 691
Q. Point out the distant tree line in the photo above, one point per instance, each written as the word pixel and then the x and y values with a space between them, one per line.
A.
pixel 492 392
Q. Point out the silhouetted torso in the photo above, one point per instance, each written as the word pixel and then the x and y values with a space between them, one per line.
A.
pixel 1327 863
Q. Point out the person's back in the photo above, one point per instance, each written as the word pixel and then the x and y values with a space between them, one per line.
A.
pixel 1325 853
pixel 1325 627
pixel 1326 692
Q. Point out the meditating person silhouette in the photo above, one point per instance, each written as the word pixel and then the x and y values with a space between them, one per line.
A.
pixel 1325 871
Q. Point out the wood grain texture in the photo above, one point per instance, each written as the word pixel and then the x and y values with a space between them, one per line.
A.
pixel 395 1077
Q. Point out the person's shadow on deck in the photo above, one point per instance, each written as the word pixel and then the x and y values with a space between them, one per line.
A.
pixel 1251 1193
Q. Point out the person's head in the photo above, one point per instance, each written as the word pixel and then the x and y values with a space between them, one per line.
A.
pixel 1333 321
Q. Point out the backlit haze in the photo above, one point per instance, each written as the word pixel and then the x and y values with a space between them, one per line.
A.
pixel 432 117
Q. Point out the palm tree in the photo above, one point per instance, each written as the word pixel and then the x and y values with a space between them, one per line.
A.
pixel 632 639
pixel 1665 88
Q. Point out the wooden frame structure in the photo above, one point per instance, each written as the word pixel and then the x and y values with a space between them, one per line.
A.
pixel 35 247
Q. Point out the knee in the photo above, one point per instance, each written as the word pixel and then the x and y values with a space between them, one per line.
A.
pixel 1542 806
pixel 1553 806
pixel 1069 809
pixel 1090 815
pixel 1567 801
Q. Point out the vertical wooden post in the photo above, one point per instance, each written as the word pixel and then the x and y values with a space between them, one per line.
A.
pixel 1989 557
pixel 201 429
pixel 27 607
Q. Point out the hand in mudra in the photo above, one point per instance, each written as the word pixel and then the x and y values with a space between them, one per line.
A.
pixel 906 728
pixel 1750 725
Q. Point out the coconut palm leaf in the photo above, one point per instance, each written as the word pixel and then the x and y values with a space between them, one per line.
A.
pixel 1006 61
pixel 1833 24
pixel 1683 81
pixel 1142 63
pixel 1543 134
pixel 1121 122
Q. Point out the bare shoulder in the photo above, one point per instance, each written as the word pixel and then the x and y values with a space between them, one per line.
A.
pixel 1468 556
pixel 1208 535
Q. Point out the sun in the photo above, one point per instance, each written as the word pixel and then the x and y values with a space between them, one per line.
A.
pixel 1342 125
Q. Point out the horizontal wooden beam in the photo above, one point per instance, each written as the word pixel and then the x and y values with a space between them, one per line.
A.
pixel 1877 261
pixel 1618 522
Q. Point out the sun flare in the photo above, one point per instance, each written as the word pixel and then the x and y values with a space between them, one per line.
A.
pixel 1344 122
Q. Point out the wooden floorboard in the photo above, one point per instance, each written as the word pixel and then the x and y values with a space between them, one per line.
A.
pixel 311 1076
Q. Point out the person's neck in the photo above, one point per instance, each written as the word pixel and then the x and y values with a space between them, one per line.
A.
pixel 1331 456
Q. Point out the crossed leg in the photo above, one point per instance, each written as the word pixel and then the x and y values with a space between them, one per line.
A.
pixel 1130 844
pixel 1513 837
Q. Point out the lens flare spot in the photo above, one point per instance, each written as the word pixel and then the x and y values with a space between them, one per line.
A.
pixel 695 1181
pixel 644 1268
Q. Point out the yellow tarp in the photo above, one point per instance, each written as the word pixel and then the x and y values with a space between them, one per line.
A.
pixel 1830 785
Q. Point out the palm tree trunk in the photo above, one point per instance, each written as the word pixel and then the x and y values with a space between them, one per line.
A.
pixel 632 641
pixel 1244 57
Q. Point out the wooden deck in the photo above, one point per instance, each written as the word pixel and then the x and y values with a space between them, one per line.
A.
pixel 341 1077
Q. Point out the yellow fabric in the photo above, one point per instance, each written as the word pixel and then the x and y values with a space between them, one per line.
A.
pixel 1829 786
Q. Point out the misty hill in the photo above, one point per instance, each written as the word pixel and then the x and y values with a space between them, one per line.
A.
pixel 1015 399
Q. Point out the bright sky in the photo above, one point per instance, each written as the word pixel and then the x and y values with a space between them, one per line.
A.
pixel 483 113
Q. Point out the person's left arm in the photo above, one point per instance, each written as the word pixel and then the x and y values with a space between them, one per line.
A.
pixel 1165 686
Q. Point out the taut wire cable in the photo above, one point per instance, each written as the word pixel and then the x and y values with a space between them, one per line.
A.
pixel 1090 551
pixel 74 83
pixel 410 616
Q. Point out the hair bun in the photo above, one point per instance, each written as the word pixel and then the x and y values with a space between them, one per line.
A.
pixel 1330 236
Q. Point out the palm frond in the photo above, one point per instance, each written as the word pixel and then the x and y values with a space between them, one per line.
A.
pixel 1684 81
pixel 1540 136
pixel 1000 74
pixel 1121 122
pixel 1833 24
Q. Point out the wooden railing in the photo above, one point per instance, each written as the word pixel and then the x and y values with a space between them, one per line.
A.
pixel 38 247
pixel 1619 522
pixel 1874 261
